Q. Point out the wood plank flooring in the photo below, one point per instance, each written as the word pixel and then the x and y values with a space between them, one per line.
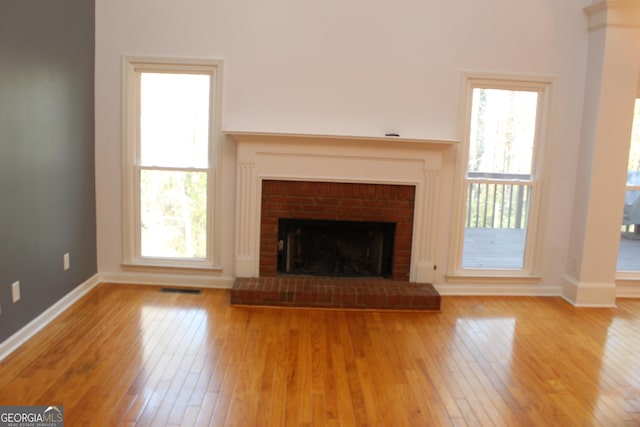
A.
pixel 132 355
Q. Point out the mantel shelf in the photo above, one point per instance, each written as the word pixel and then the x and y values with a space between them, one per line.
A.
pixel 254 136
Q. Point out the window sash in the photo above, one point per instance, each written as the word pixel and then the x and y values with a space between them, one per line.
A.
pixel 139 217
pixel 513 198
pixel 179 156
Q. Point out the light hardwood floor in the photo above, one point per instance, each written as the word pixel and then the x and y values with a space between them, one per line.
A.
pixel 131 355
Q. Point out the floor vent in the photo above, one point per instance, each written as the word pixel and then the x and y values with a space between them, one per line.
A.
pixel 181 290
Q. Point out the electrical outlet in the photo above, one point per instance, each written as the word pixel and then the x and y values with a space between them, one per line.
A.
pixel 15 291
pixel 65 261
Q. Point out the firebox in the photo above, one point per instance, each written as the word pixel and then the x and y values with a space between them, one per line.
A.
pixel 335 248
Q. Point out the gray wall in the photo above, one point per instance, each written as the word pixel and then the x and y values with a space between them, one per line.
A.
pixel 47 191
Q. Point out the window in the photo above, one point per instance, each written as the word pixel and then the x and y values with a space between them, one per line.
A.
pixel 629 249
pixel 501 183
pixel 170 161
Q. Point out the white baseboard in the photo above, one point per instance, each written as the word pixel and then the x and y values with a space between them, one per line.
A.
pixel 589 294
pixel 30 329
pixel 166 279
pixel 627 289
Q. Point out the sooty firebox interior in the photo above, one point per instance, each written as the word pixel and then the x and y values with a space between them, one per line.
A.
pixel 335 248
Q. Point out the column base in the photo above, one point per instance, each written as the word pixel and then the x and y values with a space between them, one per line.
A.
pixel 589 294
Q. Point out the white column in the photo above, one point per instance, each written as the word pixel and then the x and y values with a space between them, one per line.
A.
pixel 613 67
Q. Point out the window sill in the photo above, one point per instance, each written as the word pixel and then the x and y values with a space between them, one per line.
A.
pixel 492 279
pixel 169 268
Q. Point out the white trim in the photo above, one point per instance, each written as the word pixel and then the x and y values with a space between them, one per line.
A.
pixel 588 294
pixel 9 345
pixel 131 66
pixel 498 289
pixel 627 287
pixel 169 279
pixel 166 269
pixel 475 280
pixel 291 137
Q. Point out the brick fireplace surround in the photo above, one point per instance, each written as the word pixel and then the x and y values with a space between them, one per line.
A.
pixel 338 178
pixel 340 202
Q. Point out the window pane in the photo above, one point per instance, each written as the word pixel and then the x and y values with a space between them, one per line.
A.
pixel 173 214
pixel 634 150
pixel 496 225
pixel 502 134
pixel 629 249
pixel 503 124
pixel 174 119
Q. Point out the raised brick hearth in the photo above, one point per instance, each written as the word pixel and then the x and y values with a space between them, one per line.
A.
pixel 328 292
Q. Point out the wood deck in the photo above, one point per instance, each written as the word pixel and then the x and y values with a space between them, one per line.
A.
pixel 132 355
pixel 503 248
pixel 629 252
pixel 491 248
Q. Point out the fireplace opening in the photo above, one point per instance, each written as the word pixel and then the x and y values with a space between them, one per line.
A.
pixel 335 248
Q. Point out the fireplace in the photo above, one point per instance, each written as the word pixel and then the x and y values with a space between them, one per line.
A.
pixel 336 229
pixel 335 248
pixel 348 178
pixel 383 193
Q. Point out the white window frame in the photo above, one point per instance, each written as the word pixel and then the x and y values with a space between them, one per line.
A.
pixel 527 273
pixel 132 67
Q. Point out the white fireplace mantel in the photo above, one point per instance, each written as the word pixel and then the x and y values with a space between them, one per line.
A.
pixel 354 139
pixel 334 158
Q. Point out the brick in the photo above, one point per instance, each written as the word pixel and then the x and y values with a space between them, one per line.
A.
pixel 393 192
pixel 290 207
pixel 269 230
pixel 351 202
pixel 368 192
pixel 336 201
pixel 269 206
pixel 375 204
pixel 348 190
pixel 269 220
pixel 406 192
pixel 275 198
pixel 347 298
pixel 394 301
pixel 269 186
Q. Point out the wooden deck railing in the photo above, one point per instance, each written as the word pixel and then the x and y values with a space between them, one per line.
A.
pixel 498 200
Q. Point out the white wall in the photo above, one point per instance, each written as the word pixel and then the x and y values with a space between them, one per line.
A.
pixel 346 67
